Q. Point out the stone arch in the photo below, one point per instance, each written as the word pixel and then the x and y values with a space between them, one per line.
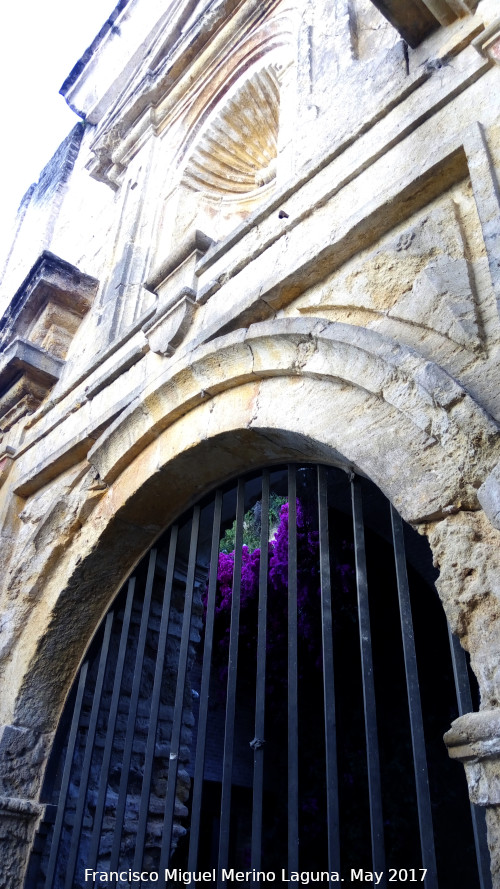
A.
pixel 360 400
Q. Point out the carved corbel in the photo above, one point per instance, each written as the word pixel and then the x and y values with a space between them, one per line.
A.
pixel 168 328
pixel 175 282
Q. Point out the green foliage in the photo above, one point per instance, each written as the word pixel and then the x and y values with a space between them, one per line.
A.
pixel 251 525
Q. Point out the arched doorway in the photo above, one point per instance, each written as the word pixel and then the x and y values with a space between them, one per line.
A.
pixel 267 696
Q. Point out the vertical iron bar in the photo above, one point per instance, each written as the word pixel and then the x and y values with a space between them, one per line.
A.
pixel 175 738
pixel 199 767
pixel 260 683
pixel 227 763
pixel 63 794
pixel 332 784
pixel 293 728
pixel 365 639
pixel 110 731
pixel 478 814
pixel 155 704
pixel 416 721
pixel 87 758
pixel 132 714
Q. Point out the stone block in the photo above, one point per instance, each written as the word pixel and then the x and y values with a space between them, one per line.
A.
pixel 489 496
pixel 22 756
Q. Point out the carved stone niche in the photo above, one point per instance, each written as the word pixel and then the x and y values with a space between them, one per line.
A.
pixel 416 19
pixel 175 283
pixel 235 157
pixel 36 331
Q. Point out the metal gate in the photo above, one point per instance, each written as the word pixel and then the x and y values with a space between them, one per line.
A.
pixel 267 698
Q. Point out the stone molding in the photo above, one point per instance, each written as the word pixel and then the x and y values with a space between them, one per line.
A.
pixel 337 351
pixel 24 809
pixel 474 740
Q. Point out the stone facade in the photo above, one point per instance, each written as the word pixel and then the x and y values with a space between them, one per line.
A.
pixel 275 235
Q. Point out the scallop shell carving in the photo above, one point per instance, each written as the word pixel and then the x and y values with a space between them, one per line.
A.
pixel 236 153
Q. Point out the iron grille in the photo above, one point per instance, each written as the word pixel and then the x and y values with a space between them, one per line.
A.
pixel 269 694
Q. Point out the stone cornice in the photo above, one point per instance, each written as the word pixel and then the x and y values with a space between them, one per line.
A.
pixel 21 356
pixel 51 279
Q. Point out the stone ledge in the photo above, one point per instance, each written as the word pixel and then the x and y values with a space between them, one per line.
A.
pixel 135 354
pixel 27 373
pixel 69 453
pixel 474 736
pixel 23 809
pixel 474 740
pixel 22 356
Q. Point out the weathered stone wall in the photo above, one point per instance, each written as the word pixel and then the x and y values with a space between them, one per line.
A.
pixel 141 726
pixel 291 219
